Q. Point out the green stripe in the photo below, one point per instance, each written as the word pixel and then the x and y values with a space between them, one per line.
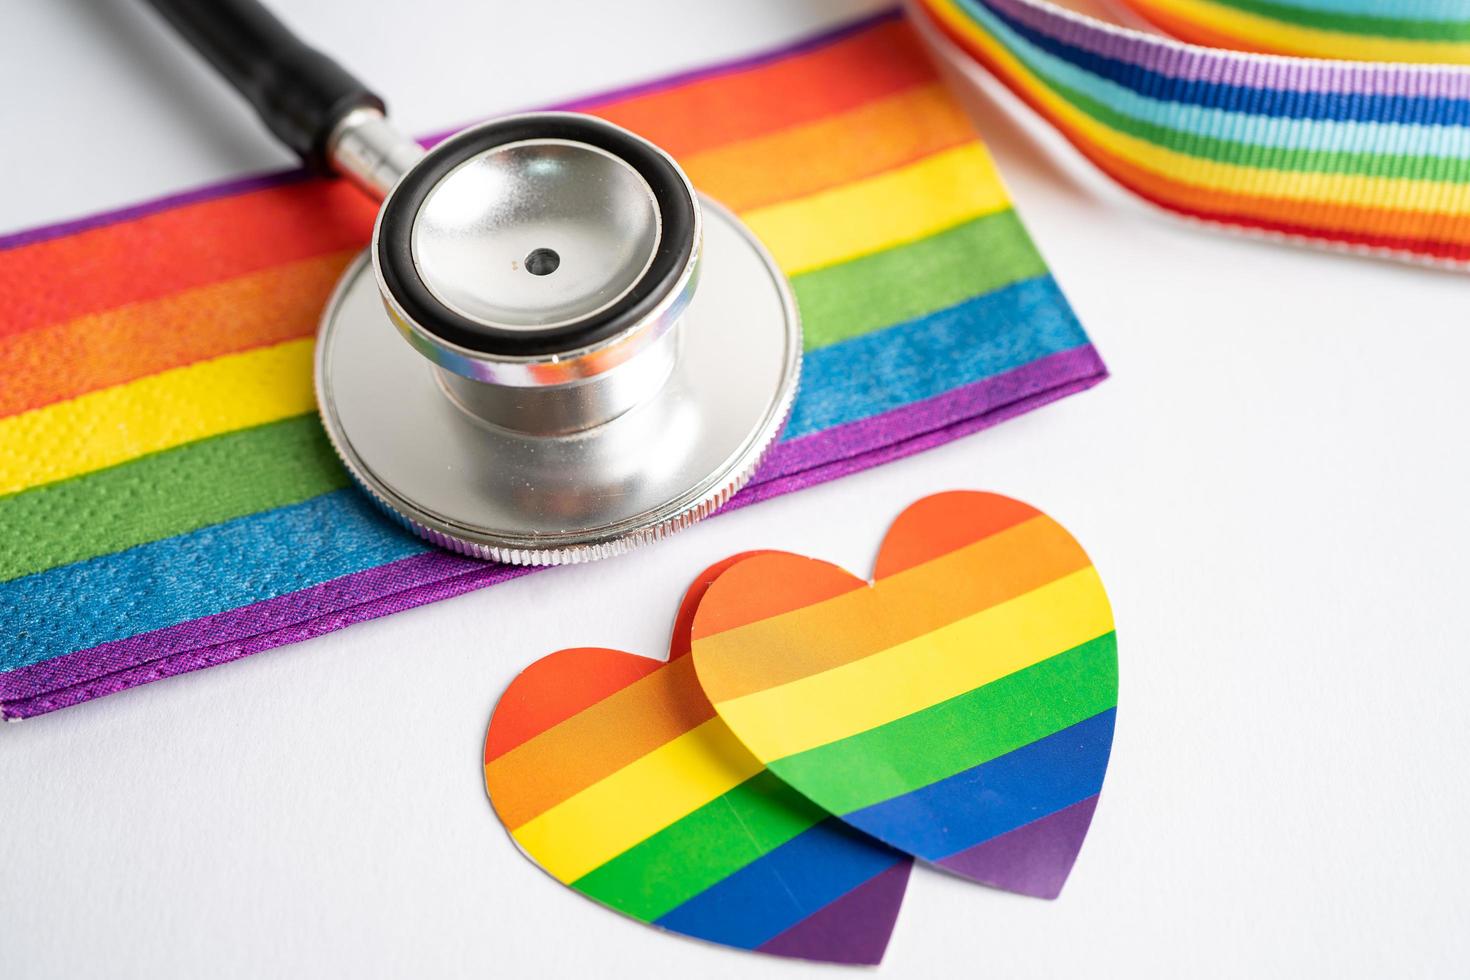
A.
pixel 662 872
pixel 958 734
pixel 1365 24
pixel 1418 167
pixel 259 469
pixel 910 281
pixel 166 494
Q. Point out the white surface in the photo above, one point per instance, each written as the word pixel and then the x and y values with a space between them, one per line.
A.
pixel 1272 485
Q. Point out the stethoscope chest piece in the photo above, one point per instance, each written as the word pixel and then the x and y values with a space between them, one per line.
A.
pixel 597 356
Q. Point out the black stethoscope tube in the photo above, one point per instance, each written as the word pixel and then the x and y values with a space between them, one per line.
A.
pixel 555 416
pixel 299 93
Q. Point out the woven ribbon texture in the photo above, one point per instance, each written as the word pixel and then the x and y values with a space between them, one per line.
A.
pixel 168 500
pixel 1365 155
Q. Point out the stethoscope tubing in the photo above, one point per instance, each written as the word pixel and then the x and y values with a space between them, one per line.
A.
pixel 301 94
pixel 532 441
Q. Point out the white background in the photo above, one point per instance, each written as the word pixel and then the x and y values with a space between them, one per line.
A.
pixel 1272 484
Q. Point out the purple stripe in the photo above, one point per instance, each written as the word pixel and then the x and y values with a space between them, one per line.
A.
pixel 967 403
pixel 418 580
pixel 831 470
pixel 1196 63
pixel 802 46
pixel 817 458
pixel 852 929
pixel 805 45
pixel 1035 858
pixel 247 624
pixel 258 182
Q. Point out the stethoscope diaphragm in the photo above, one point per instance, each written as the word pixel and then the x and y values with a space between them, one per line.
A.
pixel 596 355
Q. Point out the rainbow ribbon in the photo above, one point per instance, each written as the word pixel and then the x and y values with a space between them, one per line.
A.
pixel 1359 155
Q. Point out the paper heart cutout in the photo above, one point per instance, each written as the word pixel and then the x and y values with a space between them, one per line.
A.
pixel 959 708
pixel 612 772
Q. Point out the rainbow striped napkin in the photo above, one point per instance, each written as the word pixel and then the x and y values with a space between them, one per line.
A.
pixel 168 500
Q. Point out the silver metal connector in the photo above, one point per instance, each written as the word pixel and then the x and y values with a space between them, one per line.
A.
pixel 371 152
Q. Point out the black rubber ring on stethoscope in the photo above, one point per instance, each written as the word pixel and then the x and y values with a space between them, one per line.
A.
pixel 400 275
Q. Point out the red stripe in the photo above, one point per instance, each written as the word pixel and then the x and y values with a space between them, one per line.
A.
pixel 943 523
pixel 679 643
pixel 719 111
pixel 203 242
pixel 563 684
pixel 173 250
pixel 780 583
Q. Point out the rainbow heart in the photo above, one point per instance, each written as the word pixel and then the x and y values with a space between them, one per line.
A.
pixel 612 772
pixel 960 708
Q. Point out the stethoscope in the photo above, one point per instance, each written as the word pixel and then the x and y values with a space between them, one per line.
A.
pixel 605 353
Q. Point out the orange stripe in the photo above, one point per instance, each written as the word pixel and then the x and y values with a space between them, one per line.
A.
pixel 73 357
pixel 94 351
pixel 772 652
pixel 1415 225
pixel 555 688
pixel 185 247
pixel 598 741
pixel 943 523
pixel 181 248
pixel 1193 32
pixel 693 596
pixel 880 136
pixel 727 109
pixel 783 583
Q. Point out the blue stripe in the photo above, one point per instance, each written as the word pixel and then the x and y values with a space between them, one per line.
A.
pixel 783 887
pixel 973 806
pixel 1292 103
pixel 196 574
pixel 1310 134
pixel 907 363
pixel 275 552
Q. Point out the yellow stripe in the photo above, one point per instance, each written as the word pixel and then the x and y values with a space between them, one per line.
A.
pixel 1255 31
pixel 1376 192
pixel 891 209
pixel 921 672
pixel 113 425
pixel 587 830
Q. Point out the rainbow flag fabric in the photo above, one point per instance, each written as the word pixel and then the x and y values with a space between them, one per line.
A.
pixel 168 500
pixel 1358 155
